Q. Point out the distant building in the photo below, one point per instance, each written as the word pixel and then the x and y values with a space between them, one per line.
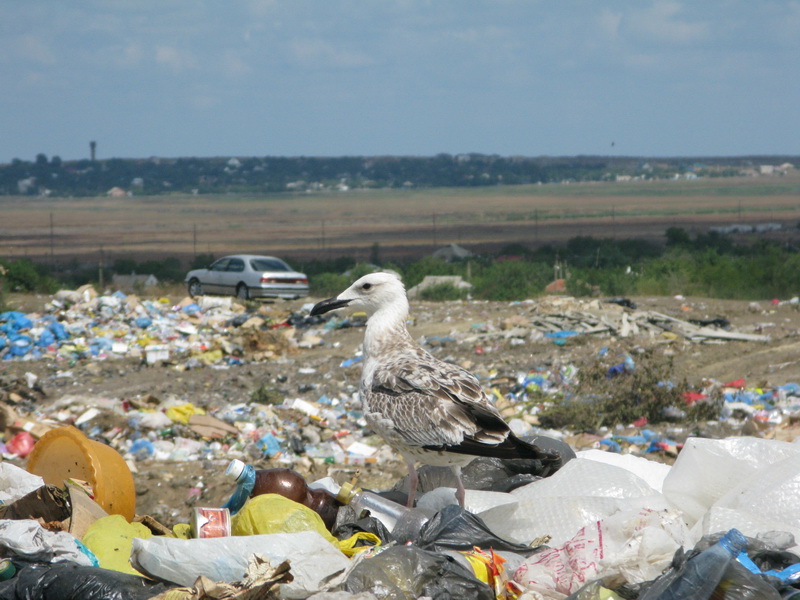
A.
pixel 116 192
pixel 452 252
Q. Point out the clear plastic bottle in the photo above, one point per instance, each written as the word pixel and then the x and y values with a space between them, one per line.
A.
pixel 701 574
pixel 404 523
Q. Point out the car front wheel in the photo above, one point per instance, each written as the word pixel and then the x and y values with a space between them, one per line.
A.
pixel 195 288
pixel 241 292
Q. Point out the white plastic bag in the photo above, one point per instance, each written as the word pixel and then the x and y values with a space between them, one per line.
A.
pixel 580 493
pixel 708 469
pixel 16 482
pixel 315 562
pixel 27 540
pixel 631 546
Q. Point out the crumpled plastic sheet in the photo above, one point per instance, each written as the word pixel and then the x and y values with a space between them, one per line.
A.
pixel 27 540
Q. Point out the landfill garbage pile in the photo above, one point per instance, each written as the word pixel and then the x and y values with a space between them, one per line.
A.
pixel 708 516
pixel 78 325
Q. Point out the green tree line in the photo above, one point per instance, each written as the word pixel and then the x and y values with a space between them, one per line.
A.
pixel 709 265
pixel 270 174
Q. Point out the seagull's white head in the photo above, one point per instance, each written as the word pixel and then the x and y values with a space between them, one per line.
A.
pixel 371 293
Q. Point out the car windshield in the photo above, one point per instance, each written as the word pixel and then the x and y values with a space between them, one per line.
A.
pixel 269 264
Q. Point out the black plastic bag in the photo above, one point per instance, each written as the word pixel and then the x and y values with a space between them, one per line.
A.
pixel 68 581
pixel 408 573
pixel 453 528
pixel 348 524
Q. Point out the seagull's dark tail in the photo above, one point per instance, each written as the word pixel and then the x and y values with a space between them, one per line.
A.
pixel 510 448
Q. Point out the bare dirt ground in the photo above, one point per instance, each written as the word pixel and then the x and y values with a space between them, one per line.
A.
pixel 168 490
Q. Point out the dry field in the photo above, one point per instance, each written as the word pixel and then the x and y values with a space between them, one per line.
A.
pixel 406 223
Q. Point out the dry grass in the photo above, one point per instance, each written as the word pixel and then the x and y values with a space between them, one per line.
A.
pixel 405 223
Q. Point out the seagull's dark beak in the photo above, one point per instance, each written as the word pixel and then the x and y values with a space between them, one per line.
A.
pixel 328 305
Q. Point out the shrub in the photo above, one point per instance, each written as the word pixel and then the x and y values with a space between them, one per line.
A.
pixel 443 292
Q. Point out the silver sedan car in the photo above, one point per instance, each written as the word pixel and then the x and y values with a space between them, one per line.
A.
pixel 248 276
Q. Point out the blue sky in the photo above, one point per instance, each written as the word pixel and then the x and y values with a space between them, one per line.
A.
pixel 405 77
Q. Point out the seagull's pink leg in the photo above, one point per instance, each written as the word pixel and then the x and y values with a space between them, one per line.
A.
pixel 461 493
pixel 413 479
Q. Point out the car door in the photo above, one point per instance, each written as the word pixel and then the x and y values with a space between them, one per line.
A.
pixel 234 273
pixel 215 276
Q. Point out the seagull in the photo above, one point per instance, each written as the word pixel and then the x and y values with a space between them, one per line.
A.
pixel 427 410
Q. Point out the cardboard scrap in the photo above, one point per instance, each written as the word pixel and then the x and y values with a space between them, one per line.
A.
pixel 210 427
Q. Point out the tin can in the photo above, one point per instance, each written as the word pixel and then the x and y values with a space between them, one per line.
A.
pixel 210 522
pixel 7 569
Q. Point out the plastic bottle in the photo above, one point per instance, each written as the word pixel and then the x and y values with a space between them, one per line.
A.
pixel 252 482
pixel 245 477
pixel 701 574
pixel 404 523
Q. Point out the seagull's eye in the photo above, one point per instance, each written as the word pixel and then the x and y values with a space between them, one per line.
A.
pixel 366 286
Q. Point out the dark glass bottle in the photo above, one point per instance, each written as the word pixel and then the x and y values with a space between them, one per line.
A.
pixel 251 482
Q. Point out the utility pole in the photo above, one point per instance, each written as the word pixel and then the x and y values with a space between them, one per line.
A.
pixel 194 240
pixel 434 230
pixel 100 266
pixel 52 242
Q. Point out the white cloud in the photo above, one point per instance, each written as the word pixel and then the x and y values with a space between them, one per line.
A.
pixel 174 58
pixel 32 48
pixel 609 24
pixel 662 22
pixel 234 65
pixel 314 54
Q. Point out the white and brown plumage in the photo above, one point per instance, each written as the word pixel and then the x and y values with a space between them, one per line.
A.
pixel 427 410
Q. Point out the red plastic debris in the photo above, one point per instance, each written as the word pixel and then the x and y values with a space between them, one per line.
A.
pixel 21 444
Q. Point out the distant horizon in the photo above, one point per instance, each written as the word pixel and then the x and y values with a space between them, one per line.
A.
pixel 333 156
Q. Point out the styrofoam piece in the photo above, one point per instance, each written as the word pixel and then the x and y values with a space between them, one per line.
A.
pixel 581 492
pixel 651 471
pixel 315 561
pixel 707 469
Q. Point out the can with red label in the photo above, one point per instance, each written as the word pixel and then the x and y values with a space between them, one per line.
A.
pixel 210 522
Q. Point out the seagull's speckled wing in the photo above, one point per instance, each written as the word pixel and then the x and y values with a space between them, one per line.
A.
pixel 429 403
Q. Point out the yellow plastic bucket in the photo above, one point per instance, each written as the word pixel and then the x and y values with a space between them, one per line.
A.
pixel 66 453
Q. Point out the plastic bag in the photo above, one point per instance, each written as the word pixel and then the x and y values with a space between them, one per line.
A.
pixel 110 539
pixel 16 482
pixel 403 572
pixel 66 581
pixel 632 547
pixel 315 562
pixel 453 528
pixel 273 513
pixel 582 491
pixel 27 540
